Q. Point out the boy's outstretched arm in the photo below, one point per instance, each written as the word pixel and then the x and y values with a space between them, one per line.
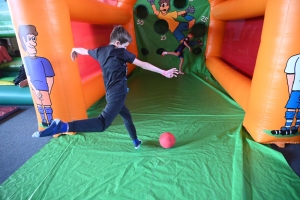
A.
pixel 76 51
pixel 147 66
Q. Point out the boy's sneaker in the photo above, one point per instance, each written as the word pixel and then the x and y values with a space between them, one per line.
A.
pixel 137 143
pixel 57 126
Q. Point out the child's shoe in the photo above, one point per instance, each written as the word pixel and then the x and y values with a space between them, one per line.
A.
pixel 56 126
pixel 137 143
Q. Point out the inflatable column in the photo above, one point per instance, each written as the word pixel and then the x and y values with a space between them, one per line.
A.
pixel 272 113
pixel 45 39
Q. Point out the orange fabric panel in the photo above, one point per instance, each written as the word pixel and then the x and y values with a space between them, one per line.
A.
pixel 239 85
pixel 111 2
pixel 54 42
pixel 239 9
pixel 216 31
pixel 215 36
pixel 96 12
pixel 269 90
pixel 93 88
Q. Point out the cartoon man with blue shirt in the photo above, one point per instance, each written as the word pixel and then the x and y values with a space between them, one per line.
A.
pixel 39 73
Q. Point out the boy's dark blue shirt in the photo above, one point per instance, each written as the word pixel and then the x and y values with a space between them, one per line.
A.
pixel 113 62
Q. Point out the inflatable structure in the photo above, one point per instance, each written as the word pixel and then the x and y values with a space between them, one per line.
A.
pixel 49 39
pixel 268 93
pixel 268 116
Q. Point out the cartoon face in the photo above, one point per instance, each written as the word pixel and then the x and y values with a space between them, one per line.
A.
pixel 164 8
pixel 30 43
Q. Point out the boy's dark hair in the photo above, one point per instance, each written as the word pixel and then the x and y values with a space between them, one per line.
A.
pixel 25 30
pixel 120 34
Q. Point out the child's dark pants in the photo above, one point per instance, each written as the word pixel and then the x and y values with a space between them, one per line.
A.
pixel 115 105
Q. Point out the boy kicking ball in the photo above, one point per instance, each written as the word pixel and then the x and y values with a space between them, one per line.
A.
pixel 113 60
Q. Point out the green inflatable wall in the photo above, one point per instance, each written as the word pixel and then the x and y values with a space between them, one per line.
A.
pixel 155 32
pixel 6 27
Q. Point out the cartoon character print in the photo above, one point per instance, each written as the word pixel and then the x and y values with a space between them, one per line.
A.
pixel 39 72
pixel 292 71
pixel 177 28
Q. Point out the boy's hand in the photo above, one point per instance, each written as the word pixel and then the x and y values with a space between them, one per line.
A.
pixel 170 73
pixel 73 55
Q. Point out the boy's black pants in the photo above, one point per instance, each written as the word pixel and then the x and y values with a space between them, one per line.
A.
pixel 115 105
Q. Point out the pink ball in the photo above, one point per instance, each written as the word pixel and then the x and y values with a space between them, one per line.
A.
pixel 167 140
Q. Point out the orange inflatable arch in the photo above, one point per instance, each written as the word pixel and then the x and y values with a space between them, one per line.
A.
pixel 263 98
